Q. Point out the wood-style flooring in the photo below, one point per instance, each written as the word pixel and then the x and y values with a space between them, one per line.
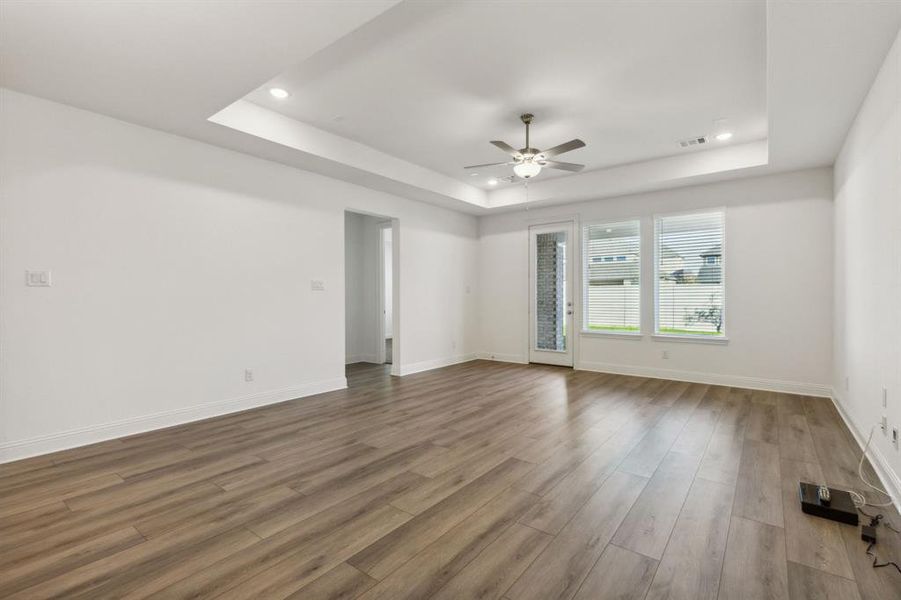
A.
pixel 481 480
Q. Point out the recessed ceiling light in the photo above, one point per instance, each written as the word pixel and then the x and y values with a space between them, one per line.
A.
pixel 609 230
pixel 492 181
pixel 279 93
pixel 724 136
pixel 473 174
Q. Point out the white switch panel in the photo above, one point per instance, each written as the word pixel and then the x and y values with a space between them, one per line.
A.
pixel 317 285
pixel 37 278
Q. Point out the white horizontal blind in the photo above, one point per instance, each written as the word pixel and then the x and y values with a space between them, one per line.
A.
pixel 690 271
pixel 611 277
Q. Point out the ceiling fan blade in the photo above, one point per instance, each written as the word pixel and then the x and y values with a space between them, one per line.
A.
pixel 506 147
pixel 498 164
pixel 563 166
pixel 564 147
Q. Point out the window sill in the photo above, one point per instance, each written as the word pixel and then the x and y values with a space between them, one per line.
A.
pixel 699 339
pixel 621 335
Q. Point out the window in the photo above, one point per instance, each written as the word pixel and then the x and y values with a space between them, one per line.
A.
pixel 690 296
pixel 612 297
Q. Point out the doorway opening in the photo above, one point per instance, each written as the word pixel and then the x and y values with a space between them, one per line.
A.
pixel 386 258
pixel 370 294
pixel 551 297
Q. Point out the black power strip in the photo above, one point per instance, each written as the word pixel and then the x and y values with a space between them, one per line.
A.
pixel 836 505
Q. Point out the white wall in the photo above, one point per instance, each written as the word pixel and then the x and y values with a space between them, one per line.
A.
pixel 361 281
pixel 177 265
pixel 868 268
pixel 778 284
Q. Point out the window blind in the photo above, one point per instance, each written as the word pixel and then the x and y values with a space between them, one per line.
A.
pixel 689 288
pixel 612 276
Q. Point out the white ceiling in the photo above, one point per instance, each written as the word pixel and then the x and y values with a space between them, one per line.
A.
pixel 421 86
pixel 169 65
pixel 432 83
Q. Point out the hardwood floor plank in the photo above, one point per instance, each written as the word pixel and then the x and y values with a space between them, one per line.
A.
pixel 806 583
pixel 326 502
pixel 692 562
pixel 295 569
pixel 493 571
pixel 558 572
pixel 755 565
pixel 555 509
pixel 437 564
pixel 27 574
pixel 341 583
pixel 284 563
pixel 619 574
pixel 647 527
pixel 763 422
pixel 404 543
pixel 722 458
pixel 758 493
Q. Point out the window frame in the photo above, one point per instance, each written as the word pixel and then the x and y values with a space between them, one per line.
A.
pixel 689 337
pixel 587 262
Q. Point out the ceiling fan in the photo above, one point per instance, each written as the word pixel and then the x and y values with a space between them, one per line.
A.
pixel 527 162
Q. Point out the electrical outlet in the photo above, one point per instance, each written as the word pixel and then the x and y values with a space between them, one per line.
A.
pixel 248 374
pixel 37 278
pixel 664 354
pixel 317 285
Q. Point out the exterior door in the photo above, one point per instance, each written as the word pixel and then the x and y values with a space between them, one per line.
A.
pixel 550 290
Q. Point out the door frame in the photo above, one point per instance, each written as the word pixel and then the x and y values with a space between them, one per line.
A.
pixel 569 356
pixel 394 224
pixel 386 225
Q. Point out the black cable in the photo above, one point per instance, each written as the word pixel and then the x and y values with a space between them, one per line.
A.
pixel 877 564
pixel 875 520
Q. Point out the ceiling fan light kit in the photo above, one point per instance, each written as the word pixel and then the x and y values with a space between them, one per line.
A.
pixel 528 162
pixel 527 169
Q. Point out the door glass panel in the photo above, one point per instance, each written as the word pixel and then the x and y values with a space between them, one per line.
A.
pixel 550 291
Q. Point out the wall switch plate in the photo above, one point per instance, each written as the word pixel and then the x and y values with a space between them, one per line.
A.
pixel 37 278
pixel 317 285
pixel 664 354
pixel 883 425
pixel 248 374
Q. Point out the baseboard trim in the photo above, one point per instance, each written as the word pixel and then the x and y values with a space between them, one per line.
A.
pixel 17 450
pixel 364 358
pixel 753 383
pixel 884 471
pixel 428 365
pixel 510 358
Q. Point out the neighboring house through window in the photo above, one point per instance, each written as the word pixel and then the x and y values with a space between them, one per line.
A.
pixel 611 277
pixel 689 292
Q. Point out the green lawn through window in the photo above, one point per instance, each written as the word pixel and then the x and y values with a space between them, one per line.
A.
pixel 676 331
pixel 612 328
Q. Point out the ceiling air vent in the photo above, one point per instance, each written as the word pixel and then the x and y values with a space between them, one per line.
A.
pixel 695 141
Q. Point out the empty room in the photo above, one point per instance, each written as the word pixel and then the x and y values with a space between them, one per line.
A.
pixel 463 299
